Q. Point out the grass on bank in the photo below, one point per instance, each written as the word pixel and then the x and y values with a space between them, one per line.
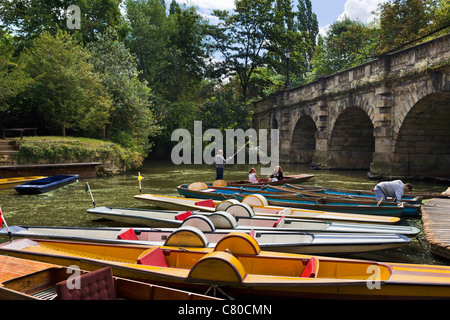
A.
pixel 55 149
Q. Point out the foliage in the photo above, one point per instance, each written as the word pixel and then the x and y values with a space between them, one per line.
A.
pixel 222 107
pixel 170 50
pixel 53 149
pixel 12 79
pixel 29 19
pixel 347 43
pixel 64 93
pixel 403 21
pixel 130 121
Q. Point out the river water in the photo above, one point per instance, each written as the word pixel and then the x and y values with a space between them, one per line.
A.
pixel 67 206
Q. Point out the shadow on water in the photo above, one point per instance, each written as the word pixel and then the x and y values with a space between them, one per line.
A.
pixel 67 206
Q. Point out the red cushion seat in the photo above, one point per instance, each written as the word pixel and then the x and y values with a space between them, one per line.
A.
pixel 310 270
pixel 95 285
pixel 206 203
pixel 153 257
pixel 128 234
pixel 182 216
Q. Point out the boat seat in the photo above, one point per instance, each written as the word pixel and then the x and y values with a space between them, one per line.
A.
pixel 153 257
pixel 197 186
pixel 240 210
pixel 182 216
pixel 127 234
pixel 95 285
pixel 206 203
pixel 219 183
pixel 223 205
pixel 311 269
pixel 222 220
pixel 186 236
pixel 200 222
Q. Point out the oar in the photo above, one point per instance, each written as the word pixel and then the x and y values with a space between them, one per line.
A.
pixel 6 225
pixel 89 189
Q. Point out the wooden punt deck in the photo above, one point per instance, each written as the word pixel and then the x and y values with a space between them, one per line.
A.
pixel 436 225
pixel 11 267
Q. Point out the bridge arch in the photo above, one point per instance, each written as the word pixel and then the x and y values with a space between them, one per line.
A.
pixel 351 143
pixel 303 141
pixel 422 144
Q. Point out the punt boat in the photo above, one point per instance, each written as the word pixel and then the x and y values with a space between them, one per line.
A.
pixel 331 205
pixel 260 206
pixel 10 182
pixel 238 268
pixel 363 193
pixel 239 216
pixel 46 184
pixel 346 194
pixel 297 178
pixel 303 200
pixel 293 242
pixel 22 279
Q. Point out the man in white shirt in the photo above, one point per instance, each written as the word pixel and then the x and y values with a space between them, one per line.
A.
pixel 393 189
pixel 220 164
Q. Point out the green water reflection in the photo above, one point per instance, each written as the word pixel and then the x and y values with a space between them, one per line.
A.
pixel 67 206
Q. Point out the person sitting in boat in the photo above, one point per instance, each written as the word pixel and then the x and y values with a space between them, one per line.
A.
pixel 277 174
pixel 252 176
pixel 393 189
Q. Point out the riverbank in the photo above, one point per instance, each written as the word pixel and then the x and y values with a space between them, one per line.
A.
pixel 49 152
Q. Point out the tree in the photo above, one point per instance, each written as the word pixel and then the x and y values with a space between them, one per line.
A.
pixel 241 38
pixel 170 51
pixel 285 35
pixel 307 22
pixel 130 121
pixel 347 43
pixel 65 92
pixel 11 80
pixel 403 21
pixel 29 19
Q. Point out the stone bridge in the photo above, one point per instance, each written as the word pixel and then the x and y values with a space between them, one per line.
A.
pixel 390 116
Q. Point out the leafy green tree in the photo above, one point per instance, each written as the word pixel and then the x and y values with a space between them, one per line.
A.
pixel 347 43
pixel 403 21
pixel 65 93
pixel 241 38
pixel 28 19
pixel 130 121
pixel 308 23
pixel 170 50
pixel 222 106
pixel 11 80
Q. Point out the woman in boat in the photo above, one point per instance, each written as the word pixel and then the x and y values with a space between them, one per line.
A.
pixel 252 176
pixel 277 174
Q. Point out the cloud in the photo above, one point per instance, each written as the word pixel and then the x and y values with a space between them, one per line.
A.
pixel 360 9
pixel 210 4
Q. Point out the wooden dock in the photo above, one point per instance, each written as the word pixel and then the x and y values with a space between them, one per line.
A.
pixel 85 170
pixel 436 225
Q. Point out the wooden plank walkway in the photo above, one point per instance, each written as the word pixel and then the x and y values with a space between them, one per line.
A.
pixel 436 225
pixel 85 170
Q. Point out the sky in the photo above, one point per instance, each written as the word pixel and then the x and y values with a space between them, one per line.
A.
pixel 327 11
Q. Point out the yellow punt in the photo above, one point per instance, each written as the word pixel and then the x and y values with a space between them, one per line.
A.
pixel 10 182
pixel 237 267
pixel 22 279
pixel 261 208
